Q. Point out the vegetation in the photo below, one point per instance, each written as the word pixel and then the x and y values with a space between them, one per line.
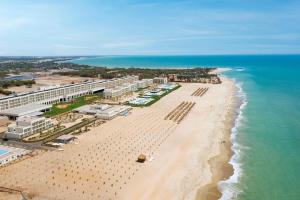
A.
pixel 156 97
pixel 3 74
pixel 11 83
pixel 18 65
pixel 64 107
pixel 141 72
pixel 30 66
pixel 5 92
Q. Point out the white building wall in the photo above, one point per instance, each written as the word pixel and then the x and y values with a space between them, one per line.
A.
pixel 27 126
pixel 160 80
pixel 54 95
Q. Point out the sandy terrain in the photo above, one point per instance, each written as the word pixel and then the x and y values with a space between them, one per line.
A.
pixel 51 80
pixel 57 79
pixel 103 164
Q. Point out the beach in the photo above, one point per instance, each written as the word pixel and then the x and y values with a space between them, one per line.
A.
pixel 184 160
pixel 195 157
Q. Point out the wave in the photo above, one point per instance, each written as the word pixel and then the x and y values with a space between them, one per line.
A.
pixel 240 69
pixel 229 188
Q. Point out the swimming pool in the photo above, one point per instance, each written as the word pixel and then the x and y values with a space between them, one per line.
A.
pixel 3 152
pixel 140 101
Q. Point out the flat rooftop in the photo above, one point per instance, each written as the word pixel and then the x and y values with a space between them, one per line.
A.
pixel 65 137
pixel 101 109
pixel 6 151
pixel 28 109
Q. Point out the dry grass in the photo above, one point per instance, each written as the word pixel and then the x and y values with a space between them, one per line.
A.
pixel 63 106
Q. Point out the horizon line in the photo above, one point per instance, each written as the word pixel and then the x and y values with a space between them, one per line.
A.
pixel 90 55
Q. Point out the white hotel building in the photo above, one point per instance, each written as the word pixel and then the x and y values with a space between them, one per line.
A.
pixel 33 102
pixel 126 88
pixel 26 126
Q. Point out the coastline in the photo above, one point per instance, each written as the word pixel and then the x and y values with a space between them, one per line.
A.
pixel 220 166
pixel 191 158
pixel 184 155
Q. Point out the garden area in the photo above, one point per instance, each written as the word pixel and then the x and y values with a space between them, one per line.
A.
pixel 64 107
pixel 151 100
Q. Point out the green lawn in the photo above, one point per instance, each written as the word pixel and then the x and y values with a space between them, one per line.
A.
pixel 156 98
pixel 80 101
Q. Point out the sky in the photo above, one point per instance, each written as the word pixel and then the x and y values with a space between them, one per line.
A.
pixel 156 27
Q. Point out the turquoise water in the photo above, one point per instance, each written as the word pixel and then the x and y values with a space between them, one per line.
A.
pixel 3 151
pixel 267 133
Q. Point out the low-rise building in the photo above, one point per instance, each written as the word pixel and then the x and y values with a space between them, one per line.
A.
pixel 144 83
pixel 26 126
pixel 8 154
pixel 160 80
pixel 53 95
pixel 104 111
pixel 113 93
pixel 119 91
pixel 64 139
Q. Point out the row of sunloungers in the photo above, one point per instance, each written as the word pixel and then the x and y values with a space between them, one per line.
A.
pixel 178 114
pixel 200 92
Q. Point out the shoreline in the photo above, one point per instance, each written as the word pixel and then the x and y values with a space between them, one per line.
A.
pixel 196 161
pixel 220 166
pixel 182 157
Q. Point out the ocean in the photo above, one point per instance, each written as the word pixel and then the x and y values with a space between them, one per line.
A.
pixel 266 135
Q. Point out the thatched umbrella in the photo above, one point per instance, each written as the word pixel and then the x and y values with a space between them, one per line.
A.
pixel 141 158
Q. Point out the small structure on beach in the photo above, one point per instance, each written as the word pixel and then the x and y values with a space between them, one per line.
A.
pixel 64 139
pixel 141 158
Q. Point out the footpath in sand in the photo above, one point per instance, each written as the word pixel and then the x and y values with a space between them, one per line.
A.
pixel 103 164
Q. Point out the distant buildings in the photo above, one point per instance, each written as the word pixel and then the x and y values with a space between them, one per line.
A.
pixel 195 78
pixel 26 126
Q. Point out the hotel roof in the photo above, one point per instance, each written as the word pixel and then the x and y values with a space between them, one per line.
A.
pixel 28 109
pixel 63 86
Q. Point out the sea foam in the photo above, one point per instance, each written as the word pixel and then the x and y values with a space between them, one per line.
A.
pixel 229 188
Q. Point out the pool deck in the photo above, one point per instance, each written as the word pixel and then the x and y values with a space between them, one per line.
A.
pixel 8 154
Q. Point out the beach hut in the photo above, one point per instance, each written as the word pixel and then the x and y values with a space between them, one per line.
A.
pixel 141 158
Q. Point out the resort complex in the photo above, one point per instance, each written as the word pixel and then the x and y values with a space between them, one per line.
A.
pixel 91 139
pixel 56 95
pixel 149 100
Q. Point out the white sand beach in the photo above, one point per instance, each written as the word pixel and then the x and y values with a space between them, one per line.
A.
pixel 103 163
